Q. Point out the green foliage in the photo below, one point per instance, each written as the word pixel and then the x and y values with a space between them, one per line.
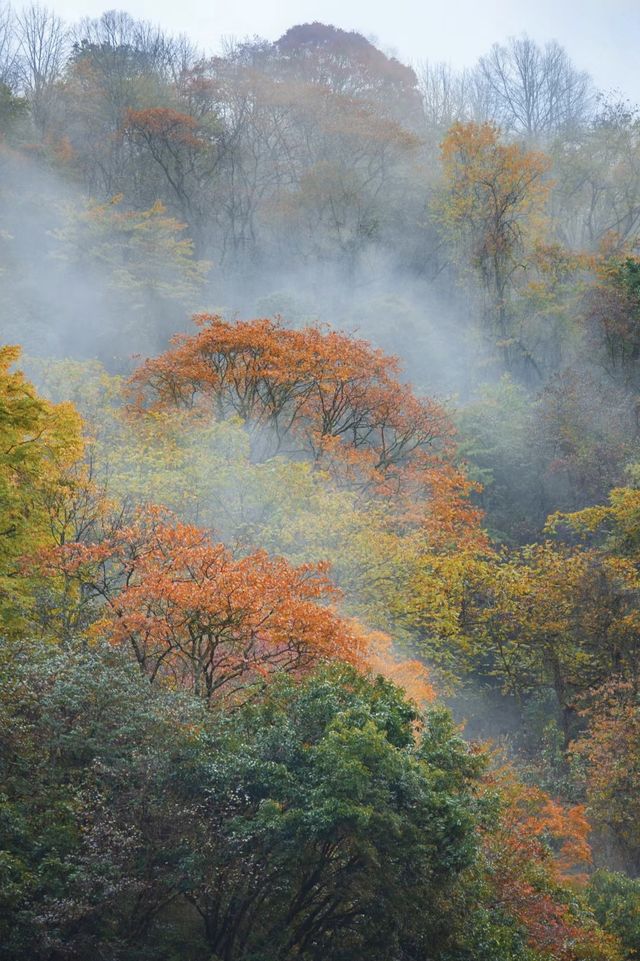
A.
pixel 310 823
pixel 86 758
pixel 12 109
pixel 615 899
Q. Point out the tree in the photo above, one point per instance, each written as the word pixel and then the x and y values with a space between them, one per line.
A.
pixel 353 182
pixel 8 49
pixel 597 180
pixel 534 91
pixel 445 95
pixel 43 46
pixel 343 62
pixel 493 193
pixel 562 618
pixel 117 64
pixel 197 616
pixel 327 819
pixel 613 313
pixel 187 153
pixel 315 843
pixel 537 846
pixel 145 264
pixel 91 822
pixel 327 396
pixel 192 612
pixel 615 899
pixel 608 750
pixel 39 448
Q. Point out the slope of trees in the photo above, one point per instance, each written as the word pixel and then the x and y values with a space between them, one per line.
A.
pixel 394 464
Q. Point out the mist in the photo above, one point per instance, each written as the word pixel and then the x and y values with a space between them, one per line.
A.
pixel 294 310
pixel 267 182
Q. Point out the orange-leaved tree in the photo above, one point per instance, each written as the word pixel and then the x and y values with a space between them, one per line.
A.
pixel 319 394
pixel 536 856
pixel 609 752
pixel 197 616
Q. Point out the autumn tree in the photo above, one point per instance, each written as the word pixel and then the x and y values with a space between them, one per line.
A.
pixel 343 62
pixel 116 64
pixel 192 612
pixel 40 447
pixel 321 394
pixel 610 757
pixel 186 153
pixel 560 618
pixel 537 855
pixel 493 193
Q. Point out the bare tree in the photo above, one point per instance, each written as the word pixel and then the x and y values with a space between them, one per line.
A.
pixel 43 47
pixel 534 90
pixel 129 42
pixel 8 48
pixel 445 94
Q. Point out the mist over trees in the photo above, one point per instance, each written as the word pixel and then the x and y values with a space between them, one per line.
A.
pixel 319 500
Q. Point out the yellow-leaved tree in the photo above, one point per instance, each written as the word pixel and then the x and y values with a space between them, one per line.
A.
pixel 40 451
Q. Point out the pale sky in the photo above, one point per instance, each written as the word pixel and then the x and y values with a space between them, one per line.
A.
pixel 601 36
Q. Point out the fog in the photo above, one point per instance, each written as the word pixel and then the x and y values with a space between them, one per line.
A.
pixel 306 180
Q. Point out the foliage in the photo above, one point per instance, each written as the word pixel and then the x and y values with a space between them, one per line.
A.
pixel 493 193
pixel 148 261
pixel 328 396
pixel 562 618
pixel 40 447
pixel 269 796
pixel 615 899
pixel 197 615
pixel 536 844
pixel 609 746
pixel 160 828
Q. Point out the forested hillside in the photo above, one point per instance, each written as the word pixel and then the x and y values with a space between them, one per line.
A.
pixel 319 501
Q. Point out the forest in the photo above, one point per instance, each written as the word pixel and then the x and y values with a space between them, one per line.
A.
pixel 319 500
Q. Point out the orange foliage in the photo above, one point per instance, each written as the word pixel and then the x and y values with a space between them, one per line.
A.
pixel 611 749
pixel 412 676
pixel 532 817
pixel 326 396
pixel 161 123
pixel 200 617
pixel 493 187
pixel 539 845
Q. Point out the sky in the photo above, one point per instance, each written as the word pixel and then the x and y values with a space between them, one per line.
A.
pixel 601 36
